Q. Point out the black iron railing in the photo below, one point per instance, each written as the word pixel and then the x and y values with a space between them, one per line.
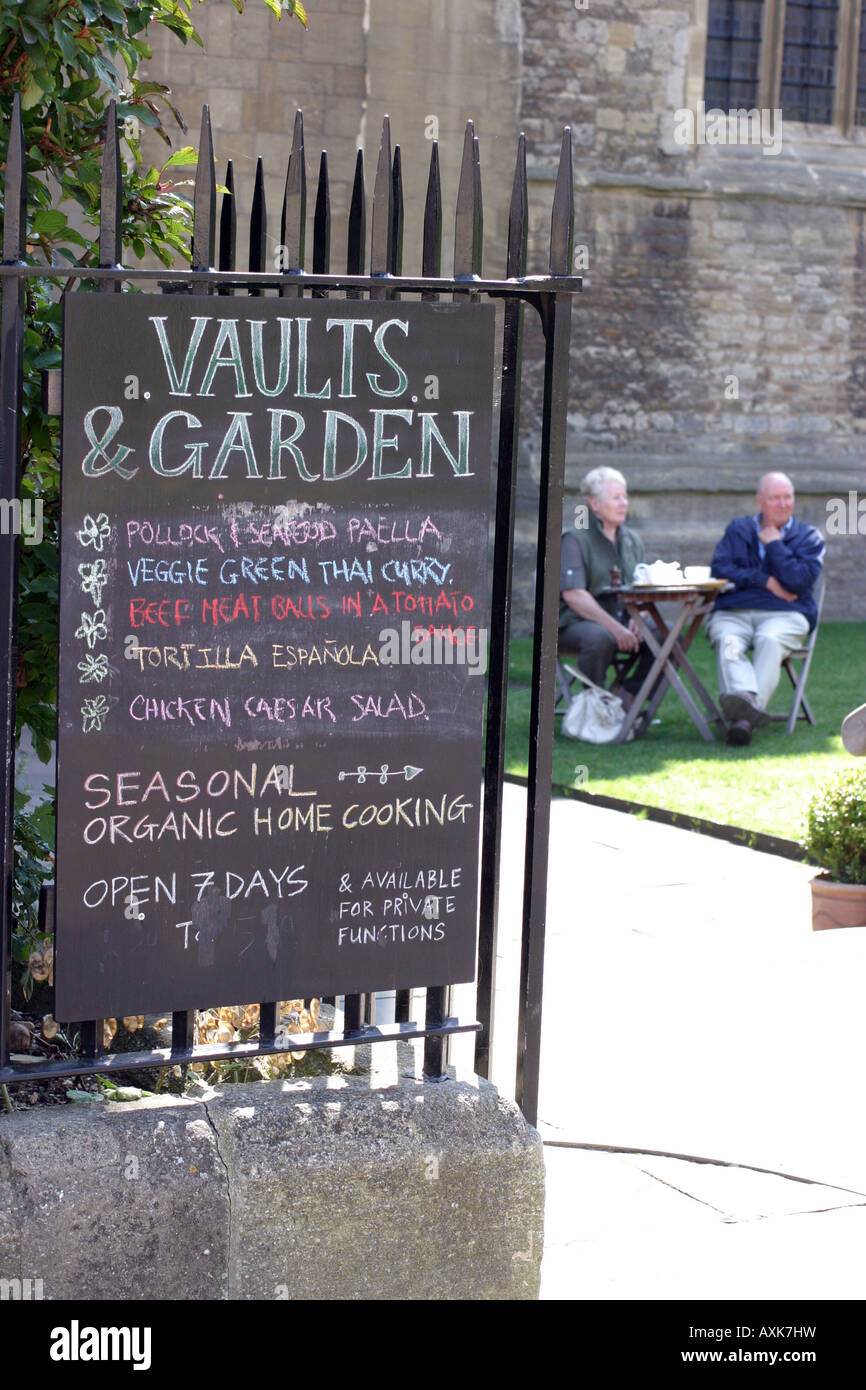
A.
pixel 215 270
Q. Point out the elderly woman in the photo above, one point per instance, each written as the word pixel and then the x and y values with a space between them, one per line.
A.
pixel 590 622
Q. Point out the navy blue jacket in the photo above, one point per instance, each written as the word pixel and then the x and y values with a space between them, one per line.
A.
pixel 795 561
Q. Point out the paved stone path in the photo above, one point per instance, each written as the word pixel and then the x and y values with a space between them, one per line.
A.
pixel 690 1011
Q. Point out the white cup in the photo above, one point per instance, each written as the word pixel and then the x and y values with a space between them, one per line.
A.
pixel 698 574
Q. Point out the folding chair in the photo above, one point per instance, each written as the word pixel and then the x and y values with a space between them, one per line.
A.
pixel 800 707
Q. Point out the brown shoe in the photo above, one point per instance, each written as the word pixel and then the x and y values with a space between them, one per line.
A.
pixel 741 705
pixel 622 694
pixel 739 733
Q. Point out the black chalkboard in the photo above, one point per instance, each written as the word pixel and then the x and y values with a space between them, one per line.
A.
pixel 272 631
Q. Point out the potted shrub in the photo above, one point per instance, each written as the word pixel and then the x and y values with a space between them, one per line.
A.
pixel 836 838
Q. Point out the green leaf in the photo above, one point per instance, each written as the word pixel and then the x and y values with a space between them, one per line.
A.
pixel 70 234
pixel 78 91
pixel 48 222
pixel 65 43
pixel 129 55
pixel 177 115
pixel 188 155
pixel 32 33
pixel 32 94
pixel 43 819
pixel 146 116
pixel 42 745
pixel 51 357
pixel 141 48
pixel 144 89
pixel 108 72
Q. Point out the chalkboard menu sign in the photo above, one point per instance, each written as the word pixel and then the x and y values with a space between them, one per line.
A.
pixel 273 637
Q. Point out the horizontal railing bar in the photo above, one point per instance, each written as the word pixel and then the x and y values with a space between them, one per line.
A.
pixel 231 1052
pixel 561 284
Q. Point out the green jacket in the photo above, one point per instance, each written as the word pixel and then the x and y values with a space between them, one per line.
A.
pixel 599 556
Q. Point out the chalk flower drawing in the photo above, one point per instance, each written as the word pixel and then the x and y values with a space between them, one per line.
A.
pixel 95 530
pixel 94 578
pixel 93 628
pixel 93 668
pixel 94 712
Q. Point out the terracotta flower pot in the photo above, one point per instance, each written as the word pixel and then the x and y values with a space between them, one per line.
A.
pixel 837 904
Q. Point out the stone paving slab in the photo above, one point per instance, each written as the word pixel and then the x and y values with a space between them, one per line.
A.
pixel 690 1010
pixel 613 1231
pixel 744 1194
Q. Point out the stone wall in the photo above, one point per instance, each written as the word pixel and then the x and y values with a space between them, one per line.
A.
pixel 430 68
pixel 340 1188
pixel 721 332
pixel 254 72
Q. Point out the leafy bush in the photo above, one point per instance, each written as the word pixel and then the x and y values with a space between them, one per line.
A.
pixel 34 857
pixel 836 826
pixel 68 59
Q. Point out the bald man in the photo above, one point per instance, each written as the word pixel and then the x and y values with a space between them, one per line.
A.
pixel 773 561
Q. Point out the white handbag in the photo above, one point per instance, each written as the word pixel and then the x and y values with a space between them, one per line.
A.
pixel 595 715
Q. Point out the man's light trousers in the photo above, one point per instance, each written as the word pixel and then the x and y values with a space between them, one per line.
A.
pixel 770 635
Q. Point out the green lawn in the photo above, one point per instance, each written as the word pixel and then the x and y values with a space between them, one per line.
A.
pixel 763 787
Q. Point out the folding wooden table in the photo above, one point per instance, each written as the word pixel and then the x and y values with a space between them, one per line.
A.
pixel 669 642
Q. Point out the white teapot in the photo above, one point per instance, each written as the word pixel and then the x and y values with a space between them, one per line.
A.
pixel 660 572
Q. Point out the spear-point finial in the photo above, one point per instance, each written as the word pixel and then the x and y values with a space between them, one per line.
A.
pixel 322 222
pixel 357 244
pixel 478 218
pixel 258 225
pixel 111 196
pixel 204 199
pixel 518 216
pixel 562 216
pixel 431 253
pixel 396 266
pixel 465 233
pixel 294 218
pixel 228 226
pixel 383 207
pixel 15 216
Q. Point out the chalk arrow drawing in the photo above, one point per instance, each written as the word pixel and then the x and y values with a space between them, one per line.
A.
pixel 362 773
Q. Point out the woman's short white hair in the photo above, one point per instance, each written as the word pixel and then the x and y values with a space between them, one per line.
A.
pixel 595 481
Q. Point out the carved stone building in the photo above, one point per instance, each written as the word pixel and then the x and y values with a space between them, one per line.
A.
pixel 722 330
